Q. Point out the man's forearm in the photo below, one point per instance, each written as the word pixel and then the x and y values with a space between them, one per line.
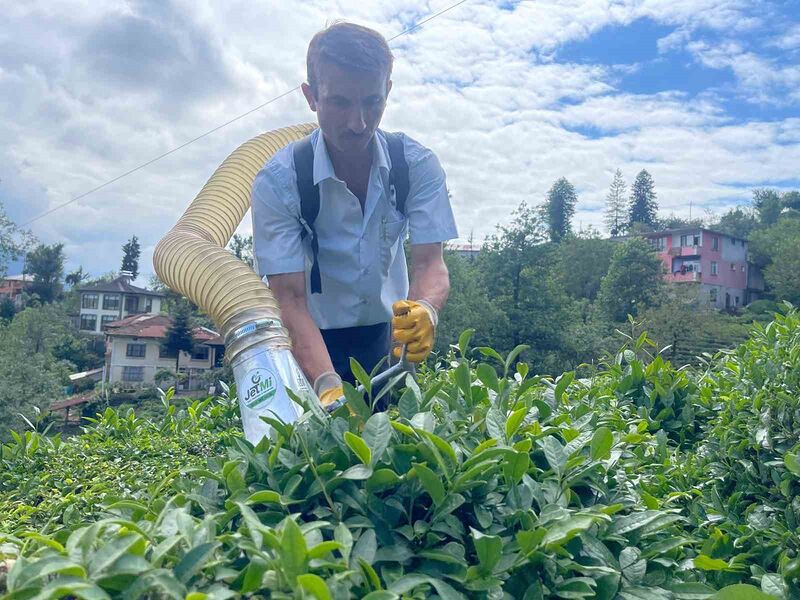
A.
pixel 431 283
pixel 308 347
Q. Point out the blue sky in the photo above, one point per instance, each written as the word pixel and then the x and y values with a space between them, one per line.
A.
pixel 512 95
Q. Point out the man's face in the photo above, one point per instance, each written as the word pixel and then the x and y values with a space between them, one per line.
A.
pixel 349 106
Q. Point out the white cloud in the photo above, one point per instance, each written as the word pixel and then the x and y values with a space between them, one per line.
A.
pixel 480 85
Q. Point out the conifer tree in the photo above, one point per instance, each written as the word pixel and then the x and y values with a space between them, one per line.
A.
pixel 558 209
pixel 130 257
pixel 616 217
pixel 643 207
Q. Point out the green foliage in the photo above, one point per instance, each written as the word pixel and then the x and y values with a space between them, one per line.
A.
pixel 643 207
pixel 738 222
pixel 179 334
pixel 46 264
pixel 484 482
pixel 581 264
pixel 14 241
pixel 558 209
pixel 634 280
pixel 131 251
pixel 768 205
pixel 32 368
pixel 241 246
pixel 616 215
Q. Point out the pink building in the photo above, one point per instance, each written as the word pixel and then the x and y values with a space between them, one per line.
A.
pixel 716 261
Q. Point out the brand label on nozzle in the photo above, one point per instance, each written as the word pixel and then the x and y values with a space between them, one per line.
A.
pixel 262 387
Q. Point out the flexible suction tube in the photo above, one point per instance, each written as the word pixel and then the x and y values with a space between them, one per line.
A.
pixel 192 260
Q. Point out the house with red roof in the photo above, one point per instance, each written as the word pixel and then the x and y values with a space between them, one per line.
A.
pixel 135 351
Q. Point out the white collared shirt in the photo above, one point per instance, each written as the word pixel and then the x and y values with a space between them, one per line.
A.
pixel 361 257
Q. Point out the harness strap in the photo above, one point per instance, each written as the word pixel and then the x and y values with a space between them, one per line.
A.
pixel 303 153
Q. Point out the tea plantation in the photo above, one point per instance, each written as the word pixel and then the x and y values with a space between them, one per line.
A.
pixel 642 481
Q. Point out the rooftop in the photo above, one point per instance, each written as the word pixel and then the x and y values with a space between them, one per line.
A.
pixel 122 285
pixel 155 327
pixel 687 230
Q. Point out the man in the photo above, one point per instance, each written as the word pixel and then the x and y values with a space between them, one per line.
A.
pixel 338 269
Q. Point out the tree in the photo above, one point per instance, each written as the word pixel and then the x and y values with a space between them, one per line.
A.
pixel 242 248
pixel 581 265
pixel 616 217
pixel 783 274
pixel 131 251
pixel 634 280
pixel 737 222
pixel 468 306
pixel 558 209
pixel 14 242
pixel 7 309
pixel 76 277
pixel 32 376
pixel 643 206
pixel 46 264
pixel 768 205
pixel 179 334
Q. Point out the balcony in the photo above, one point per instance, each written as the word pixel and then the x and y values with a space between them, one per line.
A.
pixel 685 251
pixel 688 276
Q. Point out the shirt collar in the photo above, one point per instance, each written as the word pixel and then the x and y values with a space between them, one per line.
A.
pixel 323 167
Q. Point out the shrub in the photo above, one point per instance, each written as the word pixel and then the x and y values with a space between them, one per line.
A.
pixel 482 482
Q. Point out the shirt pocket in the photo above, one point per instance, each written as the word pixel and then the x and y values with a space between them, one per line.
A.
pixel 391 230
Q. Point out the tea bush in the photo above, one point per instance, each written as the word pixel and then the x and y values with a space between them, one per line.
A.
pixel 483 481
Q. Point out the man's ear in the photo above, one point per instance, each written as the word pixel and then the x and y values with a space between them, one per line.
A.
pixel 310 98
pixel 388 87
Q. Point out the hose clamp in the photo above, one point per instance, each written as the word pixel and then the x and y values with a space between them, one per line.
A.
pixel 252 327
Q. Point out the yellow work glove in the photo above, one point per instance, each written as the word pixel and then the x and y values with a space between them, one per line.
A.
pixel 328 388
pixel 413 324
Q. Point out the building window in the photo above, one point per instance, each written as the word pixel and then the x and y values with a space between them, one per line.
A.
pixel 733 267
pixel 690 240
pixel 105 320
pixel 148 304
pixel 712 294
pixel 736 300
pixel 110 301
pixel 132 304
pixel 715 243
pixel 132 373
pixel 658 243
pixel 200 353
pixel 713 267
pixel 89 301
pixel 164 352
pixel 89 322
pixel 742 268
pixel 136 350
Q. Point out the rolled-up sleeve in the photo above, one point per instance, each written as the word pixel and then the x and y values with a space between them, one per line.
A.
pixel 430 215
pixel 277 246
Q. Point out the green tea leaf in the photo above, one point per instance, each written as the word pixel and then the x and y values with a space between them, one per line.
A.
pixel 707 563
pixel 488 548
pixel 792 463
pixel 741 592
pixel 488 376
pixel 293 550
pixel 314 585
pixel 359 447
pixel 377 435
pixel 361 375
pixel 194 561
pixel 602 441
pixel 431 482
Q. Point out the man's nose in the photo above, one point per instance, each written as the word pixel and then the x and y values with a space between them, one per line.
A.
pixel 356 122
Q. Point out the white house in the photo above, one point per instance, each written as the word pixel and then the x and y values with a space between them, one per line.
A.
pixel 104 303
pixel 135 351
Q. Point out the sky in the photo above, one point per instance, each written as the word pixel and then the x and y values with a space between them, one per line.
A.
pixel 704 94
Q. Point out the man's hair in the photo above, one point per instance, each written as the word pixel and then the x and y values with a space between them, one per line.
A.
pixel 348 46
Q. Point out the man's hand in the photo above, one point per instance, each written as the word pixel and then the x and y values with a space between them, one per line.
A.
pixel 328 388
pixel 414 324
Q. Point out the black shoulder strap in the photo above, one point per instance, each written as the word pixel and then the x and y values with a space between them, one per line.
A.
pixel 398 175
pixel 303 153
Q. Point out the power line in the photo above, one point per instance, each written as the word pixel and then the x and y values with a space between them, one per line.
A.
pixel 215 129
